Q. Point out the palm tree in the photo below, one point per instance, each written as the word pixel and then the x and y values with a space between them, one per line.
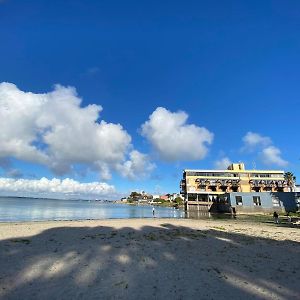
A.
pixel 290 179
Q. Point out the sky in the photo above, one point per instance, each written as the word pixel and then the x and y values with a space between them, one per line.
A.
pixel 100 98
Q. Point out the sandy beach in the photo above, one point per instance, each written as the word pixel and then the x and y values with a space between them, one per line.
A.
pixel 149 259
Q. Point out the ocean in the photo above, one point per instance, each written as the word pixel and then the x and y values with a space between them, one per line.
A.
pixel 16 209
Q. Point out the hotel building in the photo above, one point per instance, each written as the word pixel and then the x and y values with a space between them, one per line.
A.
pixel 202 186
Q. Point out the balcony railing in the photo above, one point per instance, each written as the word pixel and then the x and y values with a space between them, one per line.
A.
pixel 267 183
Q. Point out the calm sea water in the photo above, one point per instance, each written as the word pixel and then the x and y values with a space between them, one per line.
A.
pixel 30 209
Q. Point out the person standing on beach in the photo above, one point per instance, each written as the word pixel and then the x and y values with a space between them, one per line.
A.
pixel 275 216
pixel 153 211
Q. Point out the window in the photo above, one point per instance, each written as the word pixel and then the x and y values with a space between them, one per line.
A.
pixel 239 200
pixel 256 200
pixel 280 175
pixel 191 189
pixel 243 175
pixel 275 202
pixel 268 189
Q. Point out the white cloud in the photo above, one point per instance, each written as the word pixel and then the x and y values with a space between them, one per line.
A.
pixel 173 139
pixel 252 139
pixel 54 130
pixel 55 187
pixel 137 166
pixel 271 156
pixel 268 153
pixel 223 163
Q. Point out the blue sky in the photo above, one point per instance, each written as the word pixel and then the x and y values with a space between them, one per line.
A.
pixel 224 75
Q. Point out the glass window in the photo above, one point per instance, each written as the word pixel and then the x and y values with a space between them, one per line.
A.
pixel 275 202
pixel 256 200
pixel 243 175
pixel 239 200
pixel 277 175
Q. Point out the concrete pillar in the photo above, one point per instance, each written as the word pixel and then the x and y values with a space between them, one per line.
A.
pixel 187 201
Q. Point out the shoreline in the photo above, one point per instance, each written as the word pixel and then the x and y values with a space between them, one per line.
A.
pixel 241 217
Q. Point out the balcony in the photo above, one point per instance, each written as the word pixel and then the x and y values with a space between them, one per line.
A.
pixel 201 183
pixel 235 182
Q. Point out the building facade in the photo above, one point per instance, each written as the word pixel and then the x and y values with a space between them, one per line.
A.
pixel 202 186
pixel 263 202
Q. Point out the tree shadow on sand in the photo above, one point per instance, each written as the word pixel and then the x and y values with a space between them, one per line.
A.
pixel 167 262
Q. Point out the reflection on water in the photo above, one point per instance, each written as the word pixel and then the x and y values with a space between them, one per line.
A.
pixel 29 209
pixel 194 214
pixel 200 214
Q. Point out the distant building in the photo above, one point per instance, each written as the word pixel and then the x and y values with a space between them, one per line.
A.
pixel 206 186
pixel 174 196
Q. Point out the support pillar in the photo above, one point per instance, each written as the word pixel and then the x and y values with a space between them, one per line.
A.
pixel 187 201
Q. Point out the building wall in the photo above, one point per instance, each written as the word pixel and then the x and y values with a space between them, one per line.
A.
pixel 278 201
pixel 298 200
pixel 235 179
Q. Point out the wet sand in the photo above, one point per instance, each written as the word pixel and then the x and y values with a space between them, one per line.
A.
pixel 149 259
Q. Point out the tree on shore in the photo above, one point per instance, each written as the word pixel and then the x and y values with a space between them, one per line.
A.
pixel 178 201
pixel 290 179
pixel 135 195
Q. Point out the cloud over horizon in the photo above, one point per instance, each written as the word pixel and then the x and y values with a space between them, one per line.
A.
pixel 53 129
pixel 66 188
pixel 173 139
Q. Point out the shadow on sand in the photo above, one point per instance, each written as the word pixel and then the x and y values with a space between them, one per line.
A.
pixel 167 262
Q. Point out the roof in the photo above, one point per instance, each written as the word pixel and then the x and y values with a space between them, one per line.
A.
pixel 233 171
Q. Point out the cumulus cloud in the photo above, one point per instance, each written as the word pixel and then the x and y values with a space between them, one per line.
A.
pixel 174 139
pixel 54 130
pixel 252 140
pixel 268 153
pixel 137 166
pixel 55 187
pixel 272 156
pixel 223 163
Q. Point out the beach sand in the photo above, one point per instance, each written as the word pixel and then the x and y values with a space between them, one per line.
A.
pixel 149 259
